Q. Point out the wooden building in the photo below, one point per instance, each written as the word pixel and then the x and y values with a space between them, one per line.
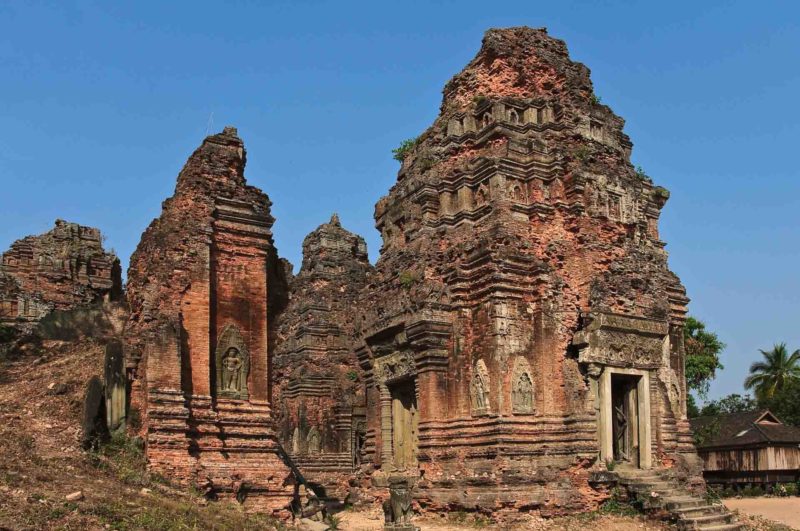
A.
pixel 753 447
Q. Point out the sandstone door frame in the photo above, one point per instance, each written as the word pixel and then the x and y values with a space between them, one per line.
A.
pixel 404 413
pixel 605 424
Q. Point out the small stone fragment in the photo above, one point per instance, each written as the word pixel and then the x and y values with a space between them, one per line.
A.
pixel 75 496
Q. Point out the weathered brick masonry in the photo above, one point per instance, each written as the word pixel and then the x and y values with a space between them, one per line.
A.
pixel 198 347
pixel 62 269
pixel 317 383
pixel 522 304
pixel 520 330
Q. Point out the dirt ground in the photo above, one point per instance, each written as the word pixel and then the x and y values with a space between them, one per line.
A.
pixel 783 510
pixel 373 521
pixel 42 467
pixel 48 482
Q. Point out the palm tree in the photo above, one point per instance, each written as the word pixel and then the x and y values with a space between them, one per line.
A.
pixel 771 374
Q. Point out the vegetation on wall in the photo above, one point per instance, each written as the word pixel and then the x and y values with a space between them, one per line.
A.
pixel 404 149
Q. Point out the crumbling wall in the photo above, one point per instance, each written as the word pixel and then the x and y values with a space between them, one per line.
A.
pixel 517 217
pixel 198 346
pixel 63 269
pixel 317 381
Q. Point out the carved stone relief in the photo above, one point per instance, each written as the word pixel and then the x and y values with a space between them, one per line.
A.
pixel 232 364
pixel 294 442
pixel 394 366
pixel 521 387
pixel 621 341
pixel 313 441
pixel 479 389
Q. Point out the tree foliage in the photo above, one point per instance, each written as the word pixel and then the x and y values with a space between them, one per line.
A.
pixel 8 333
pixel 775 371
pixel 692 410
pixel 734 403
pixel 703 349
pixel 785 403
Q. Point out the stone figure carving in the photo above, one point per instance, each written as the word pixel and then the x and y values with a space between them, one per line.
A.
pixel 359 443
pixel 313 441
pixel 397 509
pixel 521 386
pixel 296 441
pixel 232 364
pixel 231 367
pixel 481 195
pixel 522 394
pixel 480 389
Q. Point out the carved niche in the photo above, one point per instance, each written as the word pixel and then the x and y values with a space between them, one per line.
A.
pixel 479 389
pixel 521 387
pixel 232 364
pixel 295 441
pixel 313 441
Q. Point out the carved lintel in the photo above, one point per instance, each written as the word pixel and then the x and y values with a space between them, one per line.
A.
pixel 621 340
pixel 394 367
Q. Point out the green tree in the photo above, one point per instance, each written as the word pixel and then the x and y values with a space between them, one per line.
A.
pixel 776 370
pixel 785 403
pixel 692 410
pixel 702 355
pixel 734 403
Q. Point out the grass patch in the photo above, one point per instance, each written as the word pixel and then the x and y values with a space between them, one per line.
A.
pixel 408 278
pixel 123 456
pixel 467 519
pixel 618 505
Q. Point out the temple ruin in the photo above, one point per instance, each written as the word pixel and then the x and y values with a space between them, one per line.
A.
pixel 520 331
pixel 200 289
pixel 322 415
pixel 63 269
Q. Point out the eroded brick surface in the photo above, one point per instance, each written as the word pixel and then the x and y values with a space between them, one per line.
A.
pixel 198 333
pixel 521 263
pixel 522 289
pixel 317 381
pixel 62 269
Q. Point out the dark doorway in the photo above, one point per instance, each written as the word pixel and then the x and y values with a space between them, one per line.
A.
pixel 405 420
pixel 625 418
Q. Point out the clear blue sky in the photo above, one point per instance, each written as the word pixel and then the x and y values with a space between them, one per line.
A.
pixel 100 106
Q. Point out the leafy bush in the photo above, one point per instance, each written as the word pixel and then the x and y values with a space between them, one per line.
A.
pixel 752 492
pixel 408 279
pixel 404 149
pixel 7 333
pixel 124 456
pixel 641 173
pixel 333 522
pixel 582 153
pixel 618 505
pixel 479 99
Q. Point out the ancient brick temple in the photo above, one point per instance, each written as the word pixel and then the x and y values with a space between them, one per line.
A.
pixel 520 330
pixel 199 292
pixel 62 269
pixel 317 382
